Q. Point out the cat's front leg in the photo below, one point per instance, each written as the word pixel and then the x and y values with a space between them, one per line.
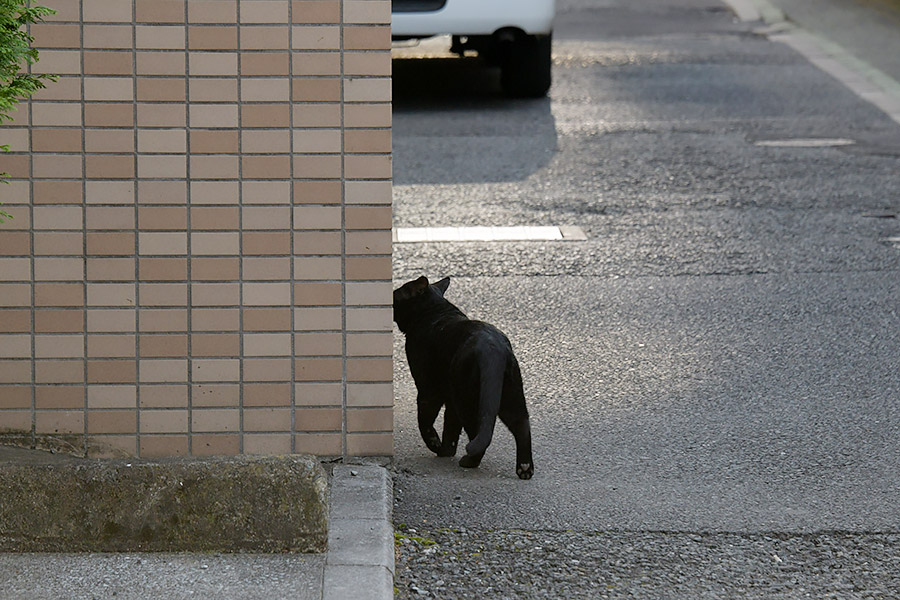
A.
pixel 428 410
pixel 452 429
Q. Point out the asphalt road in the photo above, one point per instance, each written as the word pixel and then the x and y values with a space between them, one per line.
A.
pixel 719 359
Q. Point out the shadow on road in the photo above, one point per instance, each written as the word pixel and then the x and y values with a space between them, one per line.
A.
pixel 453 124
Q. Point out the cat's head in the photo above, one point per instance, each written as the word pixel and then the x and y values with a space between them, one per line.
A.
pixel 417 293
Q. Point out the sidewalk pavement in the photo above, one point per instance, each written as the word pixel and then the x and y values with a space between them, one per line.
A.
pixel 359 562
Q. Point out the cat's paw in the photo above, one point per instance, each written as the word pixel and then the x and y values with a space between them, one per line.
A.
pixel 447 450
pixel 432 441
pixel 470 462
pixel 525 470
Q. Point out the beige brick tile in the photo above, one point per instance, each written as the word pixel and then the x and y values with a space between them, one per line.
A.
pixel 316 37
pixel 267 319
pixel 163 345
pixel 58 371
pixel 266 294
pixel 104 244
pixel 360 89
pixel 110 269
pixel 109 167
pixel 111 294
pixel 367 37
pixel 59 422
pixel 317 419
pixel 216 420
pixel 367 11
pixel 111 346
pixel 317 319
pixel 316 11
pixel 163 294
pixel 215 269
pixel 369 369
pixel 164 396
pixel 163 421
pixel 53 140
pixel 161 115
pixel 109 192
pixel 19 320
pixel 255 344
pixel 213 63
pixel 65 10
pixel 57 320
pixel 264 37
pixel 112 421
pixel 160 37
pixel 107 36
pixel 160 320
pixel 99 89
pixel 19 269
pixel 17 420
pixel 367 140
pixel 57 192
pixel 111 446
pixel 317 115
pixel 213 38
pixel 265 141
pixel 267 394
pixel 58 397
pixel 58 62
pixel 265 115
pixel 54 165
pixel 320 444
pixel 162 192
pixel 367 192
pixel 317 294
pixel 265 64
pixel 267 369
pixel 112 396
pixel 169 141
pixel 56 346
pixel 266 167
pixel 215 294
pixel 370 420
pixel 317 192
pixel 369 319
pixel 317 140
pixel 216 444
pixel 218 166
pixel 51 35
pixel 369 344
pixel 109 140
pixel 267 443
pixel 106 10
pixel 216 369
pixel 316 89
pixel 163 370
pixel 214 141
pixel 19 140
pixel 367 115
pixel 215 344
pixel 162 243
pixel 212 11
pixel 215 319
pixel 317 242
pixel 160 63
pixel 214 89
pixel 371 293
pixel 15 371
pixel 162 269
pixel 318 344
pixel 317 267
pixel 105 320
pixel 266 192
pixel 317 369
pixel 368 217
pixel 159 11
pixel 266 269
pixel 317 166
pixel 108 63
pixel 370 394
pixel 264 11
pixel 267 419
pixel 214 115
pixel 367 64
pixel 152 446
pixel 162 218
pixel 258 243
pixel 162 165
pixel 65 88
pixel 105 114
pixel 53 294
pixel 214 394
pixel 109 217
pixel 266 217
pixel 215 217
pixel 55 114
pixel 160 89
pixel 215 243
pixel 316 63
pixel 15 346
pixel 214 192
pixel 57 217
pixel 317 217
pixel 370 444
pixel 17 166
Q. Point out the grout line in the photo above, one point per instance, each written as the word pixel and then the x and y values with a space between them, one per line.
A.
pixel 344 447
pixel 189 376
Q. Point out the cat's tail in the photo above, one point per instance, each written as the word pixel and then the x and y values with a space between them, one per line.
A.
pixel 490 393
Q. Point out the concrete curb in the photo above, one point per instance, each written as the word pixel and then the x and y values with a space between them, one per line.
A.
pixel 360 560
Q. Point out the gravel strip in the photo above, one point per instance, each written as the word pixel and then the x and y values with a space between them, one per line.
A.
pixel 500 564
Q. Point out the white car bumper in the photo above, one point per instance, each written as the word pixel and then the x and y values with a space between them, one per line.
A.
pixel 477 17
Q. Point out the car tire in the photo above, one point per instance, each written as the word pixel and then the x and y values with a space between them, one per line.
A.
pixel 525 69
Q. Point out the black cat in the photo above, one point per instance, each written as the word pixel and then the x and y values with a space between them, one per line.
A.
pixel 468 367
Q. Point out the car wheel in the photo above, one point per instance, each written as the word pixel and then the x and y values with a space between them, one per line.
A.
pixel 525 70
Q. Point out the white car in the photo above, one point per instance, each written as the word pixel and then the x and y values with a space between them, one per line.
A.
pixel 515 35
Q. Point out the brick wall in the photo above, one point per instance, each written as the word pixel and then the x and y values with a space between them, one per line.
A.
pixel 200 259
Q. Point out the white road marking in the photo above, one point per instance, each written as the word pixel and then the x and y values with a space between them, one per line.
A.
pixel 405 235
pixel 806 143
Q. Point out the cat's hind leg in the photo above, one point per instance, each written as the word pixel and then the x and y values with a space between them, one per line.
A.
pixel 452 429
pixel 521 430
pixel 427 411
pixel 470 461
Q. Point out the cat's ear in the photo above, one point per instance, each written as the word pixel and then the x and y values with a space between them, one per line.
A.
pixel 419 285
pixel 442 285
